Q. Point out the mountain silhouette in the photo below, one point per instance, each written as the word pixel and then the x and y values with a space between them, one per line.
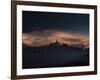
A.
pixel 54 55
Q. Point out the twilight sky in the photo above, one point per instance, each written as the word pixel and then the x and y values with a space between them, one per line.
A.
pixel 42 28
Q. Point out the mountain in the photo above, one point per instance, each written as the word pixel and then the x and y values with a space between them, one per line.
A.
pixel 54 55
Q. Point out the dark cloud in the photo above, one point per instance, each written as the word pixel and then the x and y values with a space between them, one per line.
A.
pixel 72 40
pixel 70 22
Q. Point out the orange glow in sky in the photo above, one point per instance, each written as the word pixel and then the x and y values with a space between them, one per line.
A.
pixel 42 38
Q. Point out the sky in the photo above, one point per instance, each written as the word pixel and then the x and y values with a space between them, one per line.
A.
pixel 42 28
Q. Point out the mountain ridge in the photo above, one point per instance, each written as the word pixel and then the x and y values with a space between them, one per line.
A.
pixel 57 43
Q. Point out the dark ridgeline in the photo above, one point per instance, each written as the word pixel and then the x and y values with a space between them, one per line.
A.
pixel 54 55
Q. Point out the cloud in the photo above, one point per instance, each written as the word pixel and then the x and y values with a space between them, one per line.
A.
pixel 42 38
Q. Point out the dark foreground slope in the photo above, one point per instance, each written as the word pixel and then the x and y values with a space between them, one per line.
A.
pixel 54 55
